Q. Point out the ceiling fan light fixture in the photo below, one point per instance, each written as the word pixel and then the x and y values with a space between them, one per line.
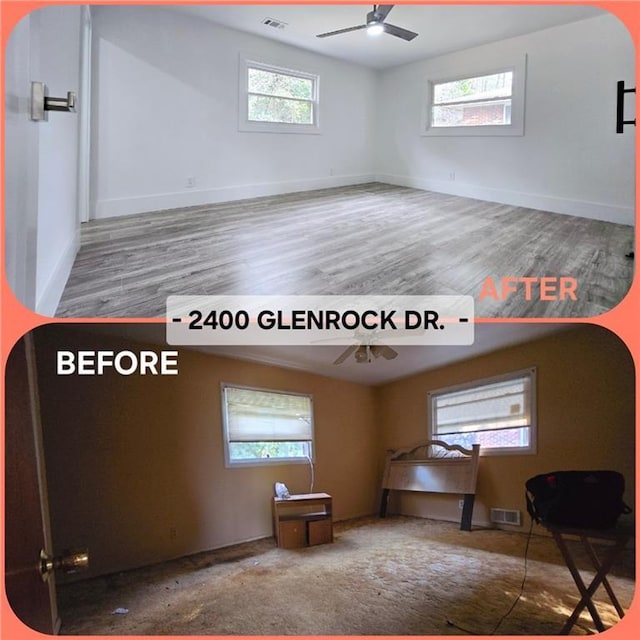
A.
pixel 375 25
pixel 364 353
pixel 374 28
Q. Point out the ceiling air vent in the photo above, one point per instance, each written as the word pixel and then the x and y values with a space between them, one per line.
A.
pixel 276 24
pixel 505 516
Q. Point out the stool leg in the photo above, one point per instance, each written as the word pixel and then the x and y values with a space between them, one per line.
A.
pixel 586 594
pixel 602 569
pixel 597 565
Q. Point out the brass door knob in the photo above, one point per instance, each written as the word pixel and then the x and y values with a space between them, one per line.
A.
pixel 68 562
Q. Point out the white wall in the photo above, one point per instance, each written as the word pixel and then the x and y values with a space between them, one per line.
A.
pixel 570 160
pixel 21 143
pixel 41 158
pixel 165 107
pixel 58 223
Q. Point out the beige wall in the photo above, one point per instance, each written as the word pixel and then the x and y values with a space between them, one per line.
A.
pixel 131 458
pixel 585 391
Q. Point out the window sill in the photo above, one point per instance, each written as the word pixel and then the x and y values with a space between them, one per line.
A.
pixel 274 127
pixel 485 131
pixel 262 462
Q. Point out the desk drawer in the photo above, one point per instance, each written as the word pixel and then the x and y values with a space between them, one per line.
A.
pixel 320 531
pixel 293 534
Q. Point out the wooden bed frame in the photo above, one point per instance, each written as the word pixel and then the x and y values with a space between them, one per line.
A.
pixel 435 467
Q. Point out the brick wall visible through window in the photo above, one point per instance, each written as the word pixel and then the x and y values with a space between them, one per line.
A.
pixel 488 113
pixel 484 104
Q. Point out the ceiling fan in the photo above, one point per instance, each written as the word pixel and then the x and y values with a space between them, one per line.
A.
pixel 376 25
pixel 367 353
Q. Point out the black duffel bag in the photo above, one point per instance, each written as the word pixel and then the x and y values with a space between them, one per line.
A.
pixel 580 499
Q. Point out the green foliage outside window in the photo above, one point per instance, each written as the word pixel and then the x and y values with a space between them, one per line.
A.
pixel 278 97
pixel 494 86
pixel 265 450
pixel 279 84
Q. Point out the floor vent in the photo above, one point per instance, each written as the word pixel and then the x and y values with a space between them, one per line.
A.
pixel 505 516
pixel 276 24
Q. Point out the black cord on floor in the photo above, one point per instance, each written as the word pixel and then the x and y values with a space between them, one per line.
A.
pixel 524 579
pixel 515 602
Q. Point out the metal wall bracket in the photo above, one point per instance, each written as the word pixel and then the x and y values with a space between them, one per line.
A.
pixel 41 103
pixel 620 121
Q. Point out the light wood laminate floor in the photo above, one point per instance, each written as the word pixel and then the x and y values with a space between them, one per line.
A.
pixel 365 239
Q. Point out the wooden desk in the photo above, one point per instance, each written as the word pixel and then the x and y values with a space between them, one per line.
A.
pixel 615 540
pixel 304 519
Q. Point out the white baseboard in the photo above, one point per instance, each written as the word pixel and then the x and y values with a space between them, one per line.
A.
pixel 197 197
pixel 49 299
pixel 582 208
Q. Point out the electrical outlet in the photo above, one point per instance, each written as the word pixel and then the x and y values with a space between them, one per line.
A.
pixel 452 175
pixel 172 532
pixel 191 182
pixel 460 504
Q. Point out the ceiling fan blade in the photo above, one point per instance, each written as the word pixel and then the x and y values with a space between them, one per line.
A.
pixel 405 34
pixel 339 31
pixel 346 353
pixel 388 353
pixel 382 10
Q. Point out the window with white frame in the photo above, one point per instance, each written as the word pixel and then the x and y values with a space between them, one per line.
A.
pixel 263 426
pixel 487 103
pixel 275 99
pixel 496 413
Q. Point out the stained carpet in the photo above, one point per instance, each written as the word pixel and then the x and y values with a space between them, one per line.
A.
pixel 398 576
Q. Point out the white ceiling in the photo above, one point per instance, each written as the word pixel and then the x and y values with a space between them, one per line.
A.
pixel 319 359
pixel 441 28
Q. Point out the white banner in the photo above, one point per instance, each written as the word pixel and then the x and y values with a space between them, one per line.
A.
pixel 306 320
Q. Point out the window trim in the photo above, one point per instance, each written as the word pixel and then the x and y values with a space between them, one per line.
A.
pixel 244 124
pixel 532 449
pixel 228 462
pixel 516 128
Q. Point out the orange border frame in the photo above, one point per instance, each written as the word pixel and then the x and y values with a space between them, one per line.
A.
pixel 16 320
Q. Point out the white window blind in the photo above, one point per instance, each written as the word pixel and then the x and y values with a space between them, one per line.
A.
pixel 260 416
pixel 496 413
pixel 503 405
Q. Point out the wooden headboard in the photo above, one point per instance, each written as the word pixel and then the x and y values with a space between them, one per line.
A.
pixel 436 467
